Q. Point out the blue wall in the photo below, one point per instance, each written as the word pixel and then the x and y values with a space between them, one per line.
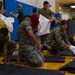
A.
pixel 57 15
pixel 10 5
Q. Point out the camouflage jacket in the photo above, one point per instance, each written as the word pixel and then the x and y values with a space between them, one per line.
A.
pixel 57 37
pixel 23 37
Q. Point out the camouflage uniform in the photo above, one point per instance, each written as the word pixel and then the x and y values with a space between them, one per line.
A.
pixel 28 49
pixel 57 39
pixel 11 45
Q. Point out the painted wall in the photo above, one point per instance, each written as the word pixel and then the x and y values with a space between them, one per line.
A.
pixel 67 14
pixel 39 3
pixel 28 5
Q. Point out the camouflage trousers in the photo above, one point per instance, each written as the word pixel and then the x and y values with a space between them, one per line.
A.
pixel 32 57
pixel 54 50
pixel 43 39
pixel 11 48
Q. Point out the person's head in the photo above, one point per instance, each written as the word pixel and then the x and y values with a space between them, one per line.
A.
pixel 34 10
pixel 46 4
pixel 3 32
pixel 19 6
pixel 63 24
pixel 27 18
pixel 1 5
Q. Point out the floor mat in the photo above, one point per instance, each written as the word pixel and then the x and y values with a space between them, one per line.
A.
pixel 47 59
pixel 66 52
pixel 54 59
pixel 19 70
pixel 72 71
pixel 70 67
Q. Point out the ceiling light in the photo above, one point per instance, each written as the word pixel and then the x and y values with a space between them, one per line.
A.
pixel 73 6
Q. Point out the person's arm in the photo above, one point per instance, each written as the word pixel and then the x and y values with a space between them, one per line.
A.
pixel 50 14
pixel 39 12
pixel 60 41
pixel 54 19
pixel 5 49
pixel 30 33
pixel 66 38
pixel 5 53
pixel 15 15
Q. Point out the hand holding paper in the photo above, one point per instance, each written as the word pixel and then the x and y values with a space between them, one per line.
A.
pixel 72 48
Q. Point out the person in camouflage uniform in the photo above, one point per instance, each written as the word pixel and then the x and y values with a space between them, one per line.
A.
pixel 6 47
pixel 58 38
pixel 29 47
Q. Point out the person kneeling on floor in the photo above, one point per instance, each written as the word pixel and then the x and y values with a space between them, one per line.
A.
pixel 29 47
pixel 6 47
pixel 58 38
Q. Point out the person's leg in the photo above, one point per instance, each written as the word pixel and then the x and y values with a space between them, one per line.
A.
pixel 19 58
pixel 44 46
pixel 45 39
pixel 53 50
pixel 42 39
pixel 34 58
pixel 1 50
pixel 11 48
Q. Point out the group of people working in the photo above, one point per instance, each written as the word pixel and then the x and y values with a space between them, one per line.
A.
pixel 29 46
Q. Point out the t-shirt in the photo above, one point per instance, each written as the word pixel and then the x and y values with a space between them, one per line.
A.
pixel 21 15
pixel 45 12
pixel 23 36
pixel 34 20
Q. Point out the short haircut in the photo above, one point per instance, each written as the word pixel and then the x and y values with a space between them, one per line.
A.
pixel 4 31
pixel 34 10
pixel 19 6
pixel 63 22
pixel 45 2
pixel 1 2
pixel 26 16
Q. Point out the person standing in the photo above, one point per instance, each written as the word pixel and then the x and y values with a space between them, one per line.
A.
pixel 46 12
pixel 34 21
pixel 19 14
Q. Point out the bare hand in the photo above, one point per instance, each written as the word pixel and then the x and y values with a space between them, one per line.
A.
pixel 11 12
pixel 67 46
pixel 7 63
pixel 40 47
